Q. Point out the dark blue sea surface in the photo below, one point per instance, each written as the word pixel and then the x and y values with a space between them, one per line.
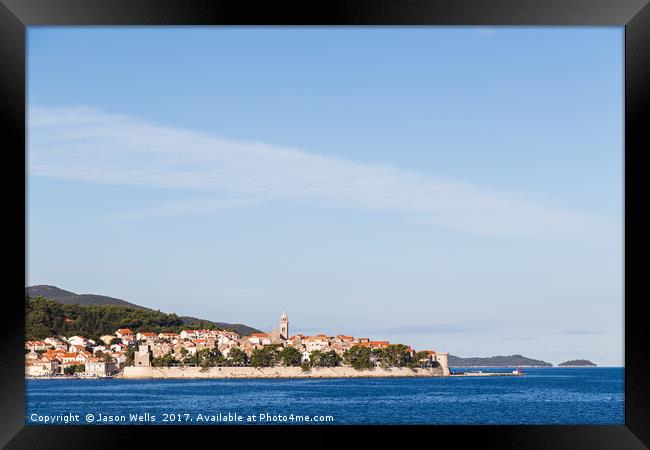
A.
pixel 541 396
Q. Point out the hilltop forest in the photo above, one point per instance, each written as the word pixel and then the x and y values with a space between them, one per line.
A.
pixel 45 318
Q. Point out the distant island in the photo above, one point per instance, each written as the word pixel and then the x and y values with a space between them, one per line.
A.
pixel 497 361
pixel 577 363
pixel 64 297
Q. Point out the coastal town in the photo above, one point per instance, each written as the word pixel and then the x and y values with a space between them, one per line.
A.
pixel 81 357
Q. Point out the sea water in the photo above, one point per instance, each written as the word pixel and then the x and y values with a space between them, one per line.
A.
pixel 540 396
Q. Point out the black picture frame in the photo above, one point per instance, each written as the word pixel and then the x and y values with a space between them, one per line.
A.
pixel 16 15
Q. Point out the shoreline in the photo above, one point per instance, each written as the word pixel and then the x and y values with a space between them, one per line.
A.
pixel 272 373
pixel 252 373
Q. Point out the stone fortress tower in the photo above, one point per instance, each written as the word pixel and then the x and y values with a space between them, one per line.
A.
pixel 142 358
pixel 284 326
pixel 442 358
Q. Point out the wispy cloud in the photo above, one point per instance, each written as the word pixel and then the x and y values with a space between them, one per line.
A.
pixel 85 144
pixel 584 332
pixel 182 207
pixel 518 338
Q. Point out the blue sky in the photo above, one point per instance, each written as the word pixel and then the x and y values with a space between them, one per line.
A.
pixel 451 188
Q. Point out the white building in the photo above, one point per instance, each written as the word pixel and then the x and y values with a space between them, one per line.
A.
pixel 189 334
pixel 76 348
pixel 146 336
pixel 56 343
pixel 261 338
pixel 98 368
pixel 36 345
pixel 78 340
pixel 320 342
pixel 41 368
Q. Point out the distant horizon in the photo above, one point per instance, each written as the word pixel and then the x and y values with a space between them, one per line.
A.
pixel 455 188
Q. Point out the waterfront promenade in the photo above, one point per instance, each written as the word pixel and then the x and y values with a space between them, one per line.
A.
pixel 274 372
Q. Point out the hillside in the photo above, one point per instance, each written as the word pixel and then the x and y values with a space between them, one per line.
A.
pixel 239 328
pixel 577 363
pixel 70 298
pixel 45 318
pixel 496 361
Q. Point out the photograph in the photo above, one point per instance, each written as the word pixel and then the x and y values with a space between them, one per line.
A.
pixel 332 225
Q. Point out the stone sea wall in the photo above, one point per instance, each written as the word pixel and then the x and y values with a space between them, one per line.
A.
pixel 274 372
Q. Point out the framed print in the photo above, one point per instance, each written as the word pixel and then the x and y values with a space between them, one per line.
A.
pixel 277 221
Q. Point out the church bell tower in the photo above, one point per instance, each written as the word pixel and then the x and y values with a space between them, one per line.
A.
pixel 284 326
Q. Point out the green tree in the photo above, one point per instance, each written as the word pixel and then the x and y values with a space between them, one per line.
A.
pixel 166 360
pixel 75 368
pixel 193 359
pixel 290 356
pixel 378 357
pixel 45 318
pixel 266 356
pixel 397 355
pixel 319 358
pixel 358 357
pixel 314 358
pixel 331 359
pixel 129 356
pixel 420 359
pixel 237 357
pixel 210 357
